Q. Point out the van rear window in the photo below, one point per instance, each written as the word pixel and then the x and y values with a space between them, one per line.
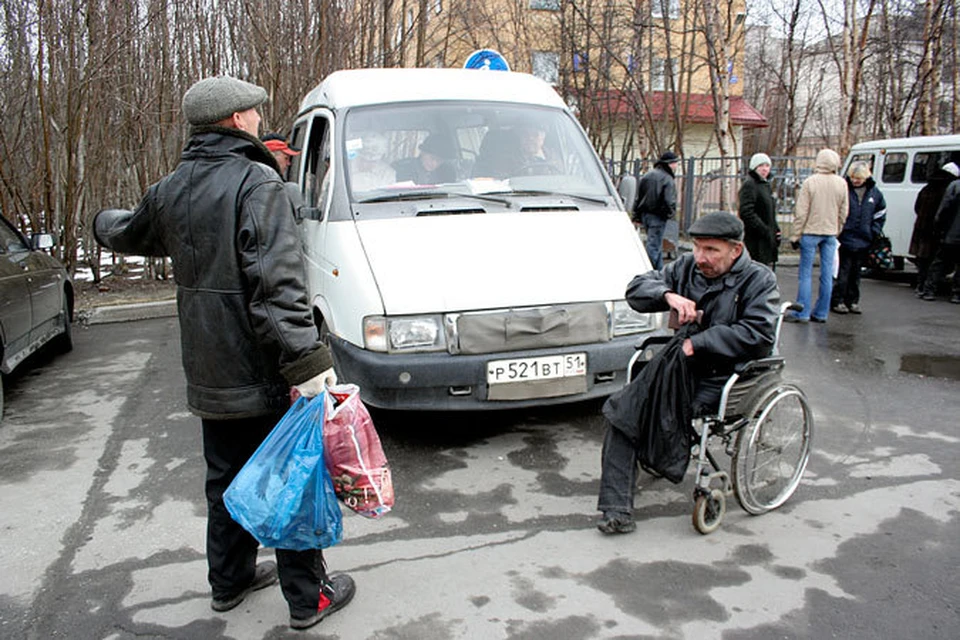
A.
pixel 926 163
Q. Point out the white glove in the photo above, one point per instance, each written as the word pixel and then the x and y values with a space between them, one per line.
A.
pixel 315 385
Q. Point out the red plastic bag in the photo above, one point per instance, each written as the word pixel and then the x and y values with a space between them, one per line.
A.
pixel 354 457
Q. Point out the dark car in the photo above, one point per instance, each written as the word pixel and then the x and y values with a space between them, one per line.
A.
pixel 36 299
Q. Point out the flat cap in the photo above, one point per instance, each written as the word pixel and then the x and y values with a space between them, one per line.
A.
pixel 717 224
pixel 212 99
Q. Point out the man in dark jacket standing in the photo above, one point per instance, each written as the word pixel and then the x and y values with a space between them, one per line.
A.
pixel 246 330
pixel 865 220
pixel 761 233
pixel 947 258
pixel 924 241
pixel 657 203
pixel 735 302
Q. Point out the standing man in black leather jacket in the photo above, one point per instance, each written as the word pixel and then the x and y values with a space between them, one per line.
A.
pixel 657 203
pixel 733 299
pixel 247 333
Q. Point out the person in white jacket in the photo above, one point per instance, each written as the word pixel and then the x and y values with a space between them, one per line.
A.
pixel 821 210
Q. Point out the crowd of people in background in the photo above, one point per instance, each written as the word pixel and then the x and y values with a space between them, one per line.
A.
pixel 838 219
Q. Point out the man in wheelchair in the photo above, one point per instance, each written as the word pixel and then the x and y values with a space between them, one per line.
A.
pixel 734 301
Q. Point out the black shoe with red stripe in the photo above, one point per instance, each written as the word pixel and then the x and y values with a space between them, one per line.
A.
pixel 334 595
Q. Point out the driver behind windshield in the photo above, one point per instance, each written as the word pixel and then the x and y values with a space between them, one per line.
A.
pixel 533 158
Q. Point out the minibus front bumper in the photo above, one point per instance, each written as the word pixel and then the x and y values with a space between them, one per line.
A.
pixel 440 381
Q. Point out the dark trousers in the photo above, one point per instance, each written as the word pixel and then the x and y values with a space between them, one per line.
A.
pixel 231 551
pixel 923 267
pixel 846 288
pixel 618 459
pixel 946 259
pixel 654 226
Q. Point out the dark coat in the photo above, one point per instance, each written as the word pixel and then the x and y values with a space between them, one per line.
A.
pixel 758 210
pixel 656 193
pixel 924 241
pixel 412 169
pixel 740 310
pixel 947 221
pixel 866 218
pixel 661 397
pixel 223 216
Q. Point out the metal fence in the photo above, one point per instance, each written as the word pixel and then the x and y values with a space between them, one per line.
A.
pixel 701 180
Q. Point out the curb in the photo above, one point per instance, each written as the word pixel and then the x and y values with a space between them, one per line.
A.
pixel 128 312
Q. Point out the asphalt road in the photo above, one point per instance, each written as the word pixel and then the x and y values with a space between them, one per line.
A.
pixel 493 533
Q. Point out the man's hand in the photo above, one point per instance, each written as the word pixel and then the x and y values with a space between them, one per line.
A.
pixel 688 347
pixel 315 385
pixel 686 309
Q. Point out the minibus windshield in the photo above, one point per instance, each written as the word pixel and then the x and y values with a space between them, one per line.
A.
pixel 476 148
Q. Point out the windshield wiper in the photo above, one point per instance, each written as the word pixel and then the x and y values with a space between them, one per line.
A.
pixel 425 195
pixel 536 192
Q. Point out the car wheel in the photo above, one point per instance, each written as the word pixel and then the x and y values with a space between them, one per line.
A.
pixel 64 342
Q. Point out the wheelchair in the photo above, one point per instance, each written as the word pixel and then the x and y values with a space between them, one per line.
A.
pixel 764 424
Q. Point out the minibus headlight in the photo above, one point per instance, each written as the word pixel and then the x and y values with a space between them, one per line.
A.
pixel 405 333
pixel 627 321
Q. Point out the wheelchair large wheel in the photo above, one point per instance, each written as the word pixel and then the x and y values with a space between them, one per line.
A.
pixel 772 450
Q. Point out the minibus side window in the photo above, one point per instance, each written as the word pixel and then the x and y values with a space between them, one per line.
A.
pixel 296 142
pixel 316 177
pixel 926 163
pixel 894 167
pixel 863 157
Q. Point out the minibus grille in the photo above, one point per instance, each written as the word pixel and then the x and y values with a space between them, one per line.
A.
pixel 531 328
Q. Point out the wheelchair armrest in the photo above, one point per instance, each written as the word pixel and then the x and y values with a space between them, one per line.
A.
pixel 753 367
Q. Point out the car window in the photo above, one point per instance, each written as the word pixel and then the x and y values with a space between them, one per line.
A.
pixel 467 148
pixel 894 167
pixel 10 241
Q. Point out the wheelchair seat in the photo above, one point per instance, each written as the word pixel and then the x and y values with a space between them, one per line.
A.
pixel 744 385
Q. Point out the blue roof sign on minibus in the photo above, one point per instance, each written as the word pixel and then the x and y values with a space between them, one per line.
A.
pixel 487 60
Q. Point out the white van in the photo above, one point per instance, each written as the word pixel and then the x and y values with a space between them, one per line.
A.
pixel 901 167
pixel 488 274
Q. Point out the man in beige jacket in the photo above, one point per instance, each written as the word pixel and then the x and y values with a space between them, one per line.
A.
pixel 821 210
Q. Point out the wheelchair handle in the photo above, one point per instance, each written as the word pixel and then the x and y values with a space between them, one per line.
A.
pixel 784 307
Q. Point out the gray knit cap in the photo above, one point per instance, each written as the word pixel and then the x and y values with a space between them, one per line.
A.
pixel 758 159
pixel 213 99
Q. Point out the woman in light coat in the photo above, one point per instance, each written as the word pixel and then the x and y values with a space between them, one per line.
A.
pixel 821 210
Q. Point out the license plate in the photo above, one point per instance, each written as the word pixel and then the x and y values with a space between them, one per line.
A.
pixel 542 368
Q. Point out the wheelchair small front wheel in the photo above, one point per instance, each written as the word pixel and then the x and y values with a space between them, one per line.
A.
pixel 708 511
pixel 772 450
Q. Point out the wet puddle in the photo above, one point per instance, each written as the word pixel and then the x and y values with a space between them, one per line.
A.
pixel 934 366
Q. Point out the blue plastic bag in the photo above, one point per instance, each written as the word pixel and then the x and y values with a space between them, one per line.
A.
pixel 283 495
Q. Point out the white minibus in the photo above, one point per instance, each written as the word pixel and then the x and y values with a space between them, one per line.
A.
pixel 901 167
pixel 465 248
